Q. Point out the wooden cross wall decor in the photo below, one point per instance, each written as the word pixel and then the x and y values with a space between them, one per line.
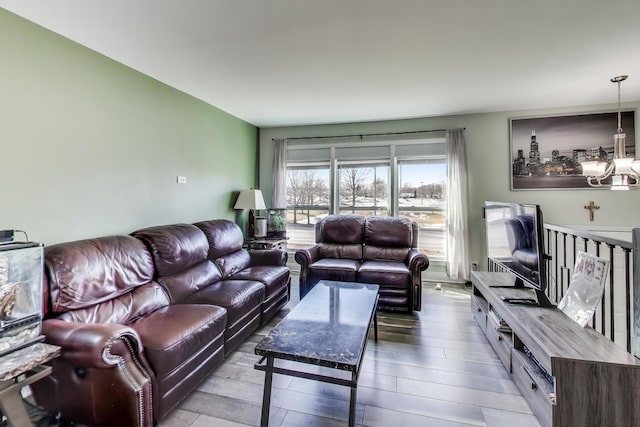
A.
pixel 591 206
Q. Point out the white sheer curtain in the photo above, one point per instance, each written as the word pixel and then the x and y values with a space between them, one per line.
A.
pixel 279 177
pixel 458 258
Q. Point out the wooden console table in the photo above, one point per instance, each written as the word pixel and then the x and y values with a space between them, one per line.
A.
pixel 569 375
pixel 18 369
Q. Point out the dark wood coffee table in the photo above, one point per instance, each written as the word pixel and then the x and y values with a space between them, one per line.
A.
pixel 329 328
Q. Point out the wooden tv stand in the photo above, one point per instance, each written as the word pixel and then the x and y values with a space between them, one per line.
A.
pixel 569 375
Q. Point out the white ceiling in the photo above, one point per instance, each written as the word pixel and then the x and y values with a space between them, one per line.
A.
pixel 290 62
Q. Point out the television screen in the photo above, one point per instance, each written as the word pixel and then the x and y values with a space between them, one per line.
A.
pixel 515 243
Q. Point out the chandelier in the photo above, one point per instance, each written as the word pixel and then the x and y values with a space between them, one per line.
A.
pixel 624 171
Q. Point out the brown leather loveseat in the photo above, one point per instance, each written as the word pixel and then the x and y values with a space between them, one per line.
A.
pixel 375 249
pixel 143 319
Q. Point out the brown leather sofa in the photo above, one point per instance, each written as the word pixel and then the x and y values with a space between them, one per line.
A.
pixel 143 319
pixel 375 249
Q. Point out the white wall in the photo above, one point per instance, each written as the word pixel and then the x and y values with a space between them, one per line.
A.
pixel 487 137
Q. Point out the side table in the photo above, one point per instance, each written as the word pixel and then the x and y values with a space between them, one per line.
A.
pixel 30 362
pixel 266 243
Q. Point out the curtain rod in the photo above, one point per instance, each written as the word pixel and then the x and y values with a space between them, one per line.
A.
pixel 361 135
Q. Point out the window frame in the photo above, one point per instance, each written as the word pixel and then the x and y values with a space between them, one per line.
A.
pixel 328 150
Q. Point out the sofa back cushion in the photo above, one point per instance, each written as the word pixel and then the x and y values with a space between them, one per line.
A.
pixel 225 245
pixel 174 247
pixel 124 309
pixel 388 238
pixel 180 255
pixel 340 236
pixel 84 273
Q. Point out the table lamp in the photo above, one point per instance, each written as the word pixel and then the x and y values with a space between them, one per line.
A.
pixel 252 199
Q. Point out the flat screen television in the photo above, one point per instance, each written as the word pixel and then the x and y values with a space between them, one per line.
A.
pixel 515 244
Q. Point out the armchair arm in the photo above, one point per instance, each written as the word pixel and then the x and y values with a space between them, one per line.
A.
pixel 268 257
pixel 307 256
pixel 417 261
pixel 92 345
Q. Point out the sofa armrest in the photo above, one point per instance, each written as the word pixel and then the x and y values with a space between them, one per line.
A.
pixel 417 261
pixel 100 368
pixel 308 256
pixel 91 345
pixel 268 257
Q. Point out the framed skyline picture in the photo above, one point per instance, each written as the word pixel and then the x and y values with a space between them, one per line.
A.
pixel 546 151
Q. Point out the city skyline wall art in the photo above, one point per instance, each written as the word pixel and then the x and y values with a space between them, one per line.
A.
pixel 546 152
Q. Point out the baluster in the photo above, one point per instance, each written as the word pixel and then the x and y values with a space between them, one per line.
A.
pixel 555 264
pixel 611 291
pixel 627 288
pixel 564 285
pixel 603 307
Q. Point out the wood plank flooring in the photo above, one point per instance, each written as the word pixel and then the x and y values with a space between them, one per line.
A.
pixel 431 368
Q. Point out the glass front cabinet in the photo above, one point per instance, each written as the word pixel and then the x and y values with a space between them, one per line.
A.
pixel 21 269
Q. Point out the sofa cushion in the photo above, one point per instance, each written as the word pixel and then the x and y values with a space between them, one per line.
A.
pixel 387 238
pixel 184 329
pixel 345 251
pixel 225 246
pixel 238 297
pixel 84 273
pixel 174 247
pixel 233 262
pixel 182 284
pixel 344 270
pixel 387 273
pixel 224 237
pixel 274 278
pixel 243 301
pixel 340 236
pixel 174 335
pixel 123 309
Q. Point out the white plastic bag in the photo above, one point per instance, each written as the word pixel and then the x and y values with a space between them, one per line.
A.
pixel 585 289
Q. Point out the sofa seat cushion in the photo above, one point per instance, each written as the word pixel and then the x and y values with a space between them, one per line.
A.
pixel 387 273
pixel 174 334
pixel 274 278
pixel 337 264
pixel 343 270
pixel 238 297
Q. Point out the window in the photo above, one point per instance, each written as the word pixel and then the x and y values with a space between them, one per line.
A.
pixel 307 194
pixel 363 189
pixel 401 177
pixel 422 198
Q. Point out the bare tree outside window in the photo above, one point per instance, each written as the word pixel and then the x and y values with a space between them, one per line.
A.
pixel 380 188
pixel 307 192
pixel 304 187
pixel 353 185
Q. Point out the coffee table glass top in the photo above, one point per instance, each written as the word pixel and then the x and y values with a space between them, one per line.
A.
pixel 328 327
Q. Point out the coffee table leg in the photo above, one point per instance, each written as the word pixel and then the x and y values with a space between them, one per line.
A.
pixel 375 325
pixel 352 401
pixel 266 396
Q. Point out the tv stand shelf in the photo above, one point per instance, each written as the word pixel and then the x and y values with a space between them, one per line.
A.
pixel 569 375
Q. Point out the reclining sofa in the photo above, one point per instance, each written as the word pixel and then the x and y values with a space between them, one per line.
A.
pixel 376 249
pixel 142 319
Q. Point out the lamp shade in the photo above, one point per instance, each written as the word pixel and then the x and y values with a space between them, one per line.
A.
pixel 250 199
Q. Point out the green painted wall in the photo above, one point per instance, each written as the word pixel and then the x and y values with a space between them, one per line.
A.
pixel 489 168
pixel 90 147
